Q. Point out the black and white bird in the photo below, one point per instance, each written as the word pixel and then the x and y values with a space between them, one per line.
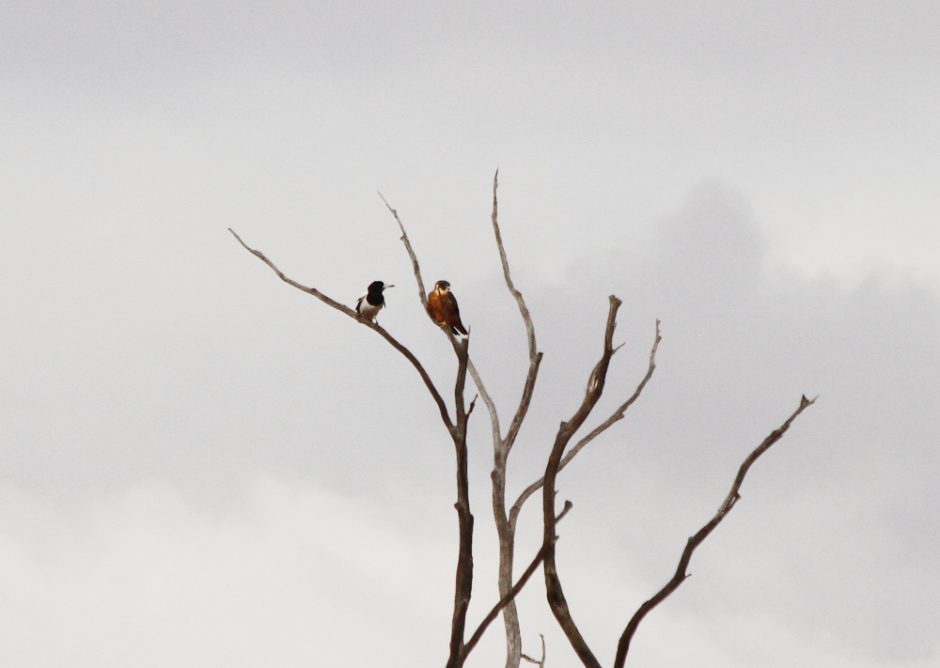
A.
pixel 369 304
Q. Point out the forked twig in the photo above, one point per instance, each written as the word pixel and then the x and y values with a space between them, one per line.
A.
pixel 539 662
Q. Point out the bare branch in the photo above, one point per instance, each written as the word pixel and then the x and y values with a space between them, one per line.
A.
pixel 342 308
pixel 464 576
pixel 501 446
pixel 535 357
pixel 488 401
pixel 615 417
pixel 422 295
pixel 463 585
pixel 516 588
pixel 553 588
pixel 623 646
pixel 473 403
pixel 618 414
pixel 442 407
pixel 538 662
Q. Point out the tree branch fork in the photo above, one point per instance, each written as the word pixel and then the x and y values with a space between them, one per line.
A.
pixel 560 456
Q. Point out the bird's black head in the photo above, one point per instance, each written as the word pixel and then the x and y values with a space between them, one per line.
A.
pixel 376 287
pixel 443 286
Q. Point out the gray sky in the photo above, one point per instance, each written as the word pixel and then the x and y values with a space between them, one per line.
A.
pixel 186 475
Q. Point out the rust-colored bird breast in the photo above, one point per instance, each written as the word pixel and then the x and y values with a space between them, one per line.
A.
pixel 436 307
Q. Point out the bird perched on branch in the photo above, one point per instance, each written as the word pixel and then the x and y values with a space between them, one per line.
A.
pixel 442 306
pixel 372 301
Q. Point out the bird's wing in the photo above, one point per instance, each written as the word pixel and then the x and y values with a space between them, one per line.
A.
pixel 453 312
pixel 359 304
pixel 452 305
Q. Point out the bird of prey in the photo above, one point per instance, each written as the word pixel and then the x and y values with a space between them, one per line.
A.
pixel 372 301
pixel 442 306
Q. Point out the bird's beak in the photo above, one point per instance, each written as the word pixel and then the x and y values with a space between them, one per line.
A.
pixel 388 286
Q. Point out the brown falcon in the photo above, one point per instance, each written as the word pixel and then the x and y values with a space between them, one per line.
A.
pixel 442 306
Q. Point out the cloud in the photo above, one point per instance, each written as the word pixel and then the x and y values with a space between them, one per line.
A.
pixel 271 482
pixel 294 575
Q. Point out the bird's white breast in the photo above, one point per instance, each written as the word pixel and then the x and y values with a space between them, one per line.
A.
pixel 367 310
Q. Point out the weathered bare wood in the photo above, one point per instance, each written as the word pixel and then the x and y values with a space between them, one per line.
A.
pixel 681 573
pixel 505 530
pixel 592 394
pixel 381 331
pixel 422 294
pixel 561 455
pixel 617 415
pixel 463 581
pixel 463 578
pixel 539 662
pixel 514 590
pixel 535 357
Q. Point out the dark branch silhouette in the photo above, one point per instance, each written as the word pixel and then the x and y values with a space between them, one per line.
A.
pixel 623 646
pixel 513 591
pixel 463 580
pixel 617 415
pixel 554 592
pixel 463 584
pixel 381 331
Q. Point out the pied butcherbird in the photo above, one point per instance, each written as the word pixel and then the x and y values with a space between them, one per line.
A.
pixel 373 301
pixel 442 306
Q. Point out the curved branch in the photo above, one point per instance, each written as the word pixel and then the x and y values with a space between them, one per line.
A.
pixel 623 646
pixel 342 308
pixel 488 401
pixel 553 588
pixel 616 416
pixel 535 357
pixel 505 530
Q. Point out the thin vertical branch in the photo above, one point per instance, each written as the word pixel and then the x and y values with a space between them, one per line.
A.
pixel 505 528
pixel 463 580
pixel 535 357
pixel 623 646
pixel 463 585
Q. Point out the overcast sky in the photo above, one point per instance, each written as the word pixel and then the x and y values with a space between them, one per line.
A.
pixel 200 466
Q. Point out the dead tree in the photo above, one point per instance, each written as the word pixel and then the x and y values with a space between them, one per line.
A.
pixel 506 517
